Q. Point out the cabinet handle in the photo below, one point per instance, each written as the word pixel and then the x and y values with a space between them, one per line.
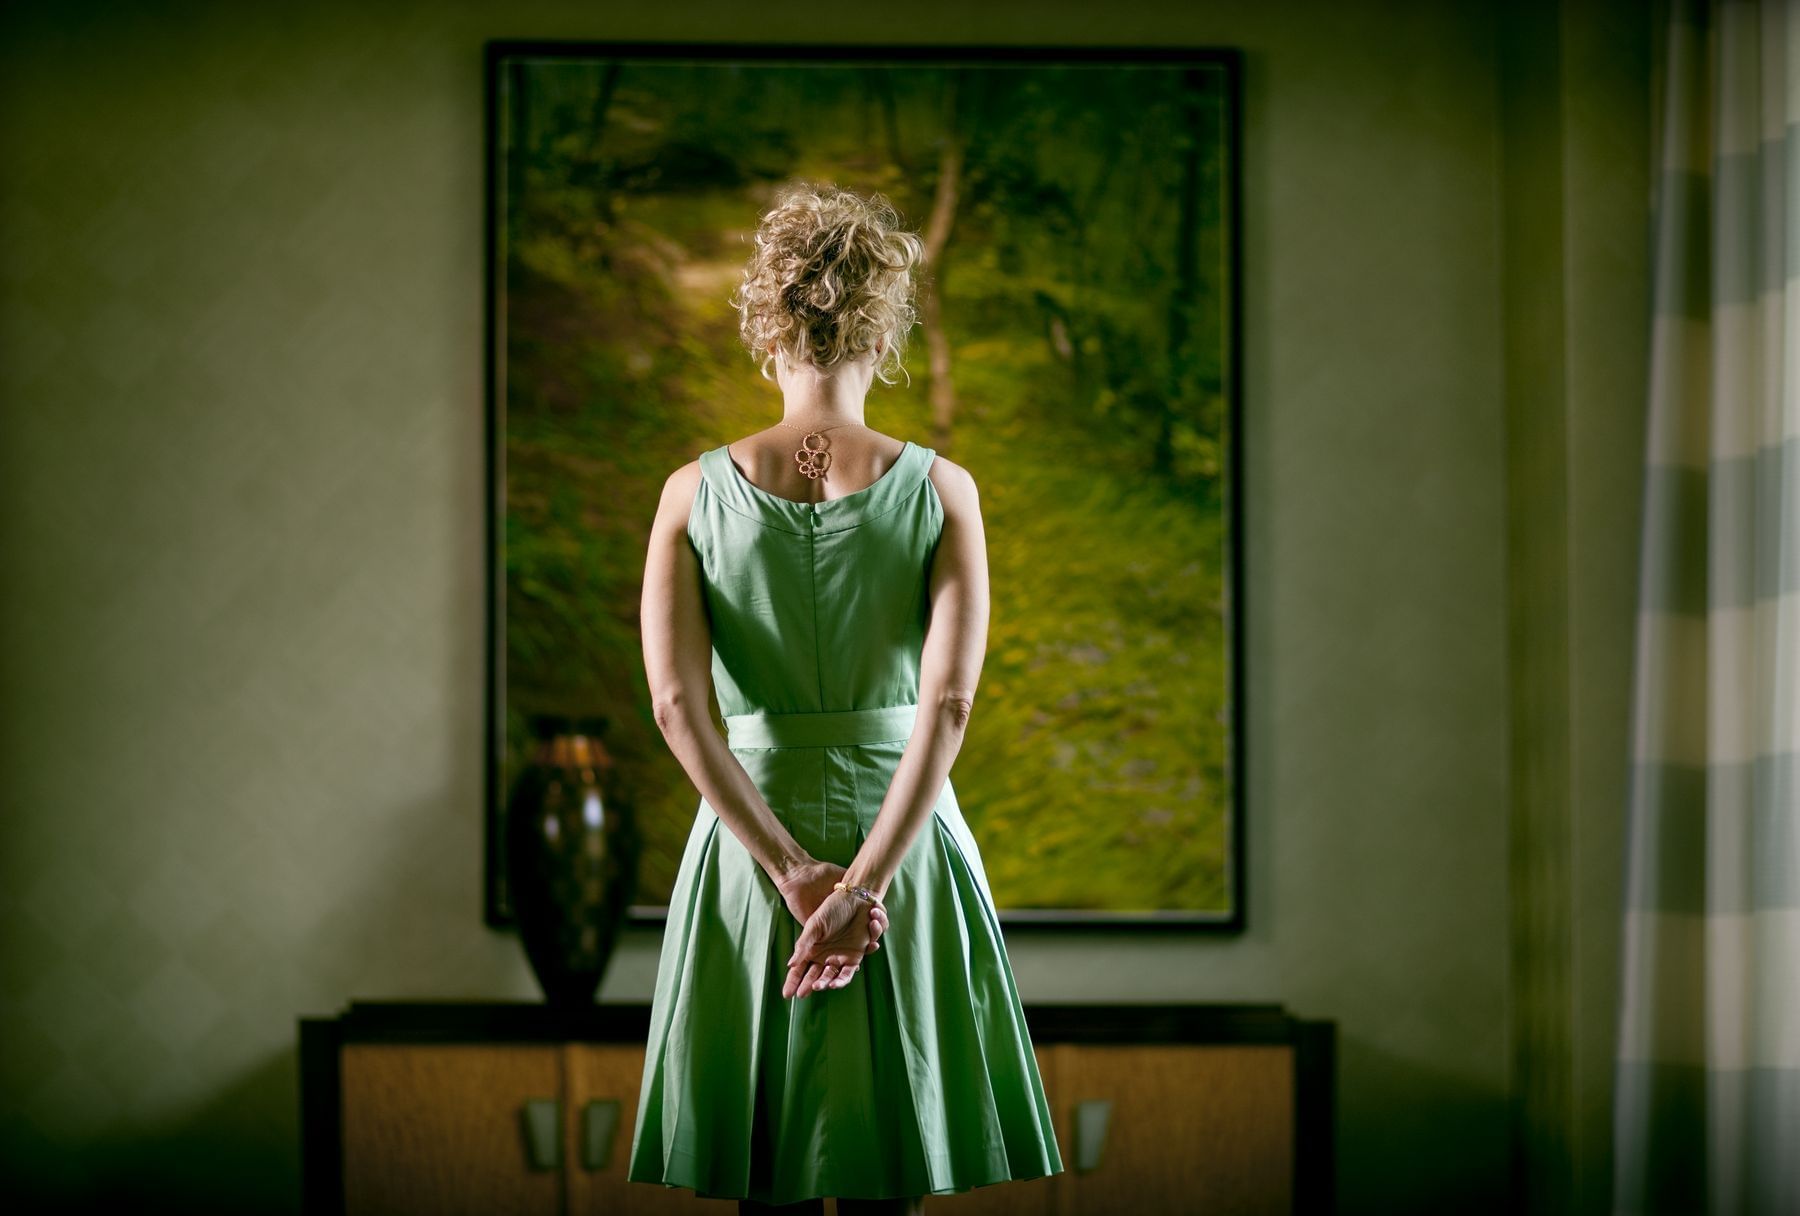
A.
pixel 541 1119
pixel 1091 1119
pixel 599 1125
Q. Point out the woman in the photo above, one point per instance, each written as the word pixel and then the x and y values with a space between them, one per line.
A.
pixel 835 1013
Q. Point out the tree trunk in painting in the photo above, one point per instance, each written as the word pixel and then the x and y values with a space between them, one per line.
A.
pixel 937 236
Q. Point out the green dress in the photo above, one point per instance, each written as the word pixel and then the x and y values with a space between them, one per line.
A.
pixel 918 1077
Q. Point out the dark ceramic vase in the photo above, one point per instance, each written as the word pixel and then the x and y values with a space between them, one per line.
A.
pixel 572 857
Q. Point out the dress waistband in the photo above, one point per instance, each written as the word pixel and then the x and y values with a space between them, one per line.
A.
pixel 830 728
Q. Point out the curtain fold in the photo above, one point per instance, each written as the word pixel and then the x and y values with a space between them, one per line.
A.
pixel 1707 1074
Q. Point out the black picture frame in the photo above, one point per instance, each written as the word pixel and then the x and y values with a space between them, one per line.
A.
pixel 503 55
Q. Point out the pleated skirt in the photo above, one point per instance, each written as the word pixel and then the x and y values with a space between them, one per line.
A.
pixel 917 1078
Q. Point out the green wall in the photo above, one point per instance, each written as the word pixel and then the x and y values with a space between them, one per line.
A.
pixel 241 647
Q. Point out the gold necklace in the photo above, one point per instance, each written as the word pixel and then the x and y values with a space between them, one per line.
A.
pixel 813 459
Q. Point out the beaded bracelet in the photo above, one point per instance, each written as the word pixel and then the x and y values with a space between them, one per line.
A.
pixel 863 892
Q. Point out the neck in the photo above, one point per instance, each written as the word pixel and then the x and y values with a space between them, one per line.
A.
pixel 820 399
pixel 825 400
pixel 821 418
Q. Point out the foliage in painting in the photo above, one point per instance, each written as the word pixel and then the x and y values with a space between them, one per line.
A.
pixel 1071 354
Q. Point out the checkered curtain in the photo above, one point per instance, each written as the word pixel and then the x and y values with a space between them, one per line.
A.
pixel 1707 1082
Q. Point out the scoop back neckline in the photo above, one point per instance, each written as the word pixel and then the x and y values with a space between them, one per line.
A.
pixel 906 448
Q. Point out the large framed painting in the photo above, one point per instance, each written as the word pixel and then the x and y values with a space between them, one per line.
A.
pixel 1077 351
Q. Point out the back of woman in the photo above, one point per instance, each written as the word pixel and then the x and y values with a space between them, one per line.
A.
pixel 834 1013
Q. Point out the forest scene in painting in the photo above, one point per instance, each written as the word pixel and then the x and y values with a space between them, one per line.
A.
pixel 1072 354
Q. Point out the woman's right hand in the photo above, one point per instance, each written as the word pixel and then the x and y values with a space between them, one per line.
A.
pixel 833 951
pixel 841 933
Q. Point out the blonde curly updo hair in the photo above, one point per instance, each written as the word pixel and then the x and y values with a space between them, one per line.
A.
pixel 831 276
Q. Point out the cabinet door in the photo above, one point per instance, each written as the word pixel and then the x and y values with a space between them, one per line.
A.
pixel 1195 1129
pixel 604 1079
pixel 439 1129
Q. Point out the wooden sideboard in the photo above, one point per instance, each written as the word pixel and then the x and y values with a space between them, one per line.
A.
pixel 451 1107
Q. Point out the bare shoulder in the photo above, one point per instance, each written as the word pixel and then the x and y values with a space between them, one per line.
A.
pixel 956 488
pixel 683 480
pixel 678 496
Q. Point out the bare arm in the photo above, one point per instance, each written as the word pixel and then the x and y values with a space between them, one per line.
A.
pixel 950 667
pixel 678 662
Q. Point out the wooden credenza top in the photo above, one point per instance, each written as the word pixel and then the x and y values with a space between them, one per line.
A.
pixel 455 1021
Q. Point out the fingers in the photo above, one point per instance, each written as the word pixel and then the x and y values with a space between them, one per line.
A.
pixel 817 975
pixel 800 981
pixel 819 978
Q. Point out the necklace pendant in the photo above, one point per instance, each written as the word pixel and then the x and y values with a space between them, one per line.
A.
pixel 812 461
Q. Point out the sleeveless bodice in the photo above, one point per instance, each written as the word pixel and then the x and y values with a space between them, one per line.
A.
pixel 816 608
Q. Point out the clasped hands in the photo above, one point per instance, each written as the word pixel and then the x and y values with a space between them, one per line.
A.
pixel 840 929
